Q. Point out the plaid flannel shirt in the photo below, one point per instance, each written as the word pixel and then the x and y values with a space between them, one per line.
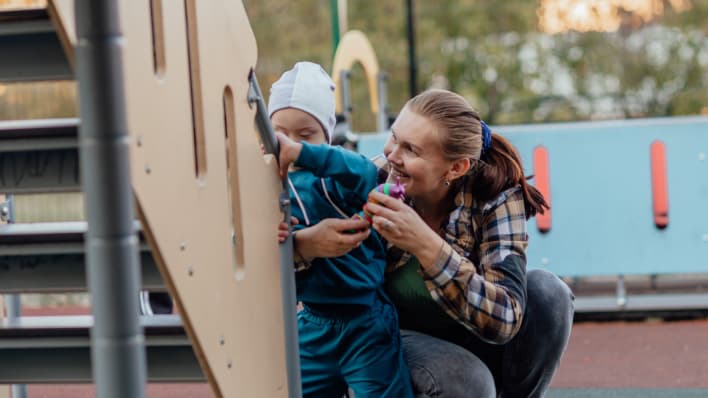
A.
pixel 479 277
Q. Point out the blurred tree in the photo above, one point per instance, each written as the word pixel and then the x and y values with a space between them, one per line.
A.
pixel 494 53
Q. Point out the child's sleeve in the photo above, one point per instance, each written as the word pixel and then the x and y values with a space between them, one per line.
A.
pixel 352 172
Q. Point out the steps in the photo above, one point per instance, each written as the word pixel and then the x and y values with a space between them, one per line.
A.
pixel 39 156
pixel 57 349
pixel 26 36
pixel 164 93
pixel 49 258
pixel 42 156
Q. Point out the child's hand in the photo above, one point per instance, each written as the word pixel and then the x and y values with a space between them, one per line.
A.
pixel 283 231
pixel 289 152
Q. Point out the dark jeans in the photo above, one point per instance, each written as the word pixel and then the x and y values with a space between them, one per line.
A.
pixel 523 367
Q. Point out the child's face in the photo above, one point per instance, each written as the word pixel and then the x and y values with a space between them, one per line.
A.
pixel 299 126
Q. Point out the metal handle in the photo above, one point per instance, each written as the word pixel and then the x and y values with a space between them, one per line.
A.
pixel 287 273
pixel 265 129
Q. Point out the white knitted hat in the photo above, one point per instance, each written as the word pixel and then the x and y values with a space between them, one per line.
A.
pixel 309 88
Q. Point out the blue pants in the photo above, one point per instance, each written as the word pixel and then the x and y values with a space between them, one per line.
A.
pixel 361 351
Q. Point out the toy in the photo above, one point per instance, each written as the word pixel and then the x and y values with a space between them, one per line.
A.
pixel 397 191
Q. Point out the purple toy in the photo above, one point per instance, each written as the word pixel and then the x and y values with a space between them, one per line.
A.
pixel 397 191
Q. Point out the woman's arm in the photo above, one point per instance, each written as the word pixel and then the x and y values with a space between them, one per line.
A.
pixel 488 299
pixel 329 238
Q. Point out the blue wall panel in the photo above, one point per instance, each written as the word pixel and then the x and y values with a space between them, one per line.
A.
pixel 600 180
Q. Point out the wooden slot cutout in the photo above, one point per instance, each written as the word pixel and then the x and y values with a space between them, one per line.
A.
pixel 541 173
pixel 195 86
pixel 232 185
pixel 158 37
pixel 659 184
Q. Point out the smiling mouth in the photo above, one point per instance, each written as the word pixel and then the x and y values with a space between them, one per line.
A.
pixel 398 173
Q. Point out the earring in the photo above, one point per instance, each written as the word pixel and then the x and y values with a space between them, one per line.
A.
pixel 446 182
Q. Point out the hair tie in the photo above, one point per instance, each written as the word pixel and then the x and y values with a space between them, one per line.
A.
pixel 486 137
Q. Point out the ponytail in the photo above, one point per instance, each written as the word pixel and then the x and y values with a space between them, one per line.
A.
pixel 500 170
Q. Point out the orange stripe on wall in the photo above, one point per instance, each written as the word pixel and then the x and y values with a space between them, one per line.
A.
pixel 543 184
pixel 659 184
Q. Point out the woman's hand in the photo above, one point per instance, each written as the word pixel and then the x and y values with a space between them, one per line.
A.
pixel 289 152
pixel 401 226
pixel 331 237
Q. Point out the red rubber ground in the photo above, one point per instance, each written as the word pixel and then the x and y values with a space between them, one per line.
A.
pixel 600 355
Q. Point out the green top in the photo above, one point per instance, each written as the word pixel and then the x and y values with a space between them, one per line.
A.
pixel 416 309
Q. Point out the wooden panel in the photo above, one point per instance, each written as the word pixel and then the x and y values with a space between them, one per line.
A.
pixel 178 123
pixel 61 12
pixel 212 230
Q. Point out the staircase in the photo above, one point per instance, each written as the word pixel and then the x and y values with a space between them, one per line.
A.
pixel 42 156
pixel 204 238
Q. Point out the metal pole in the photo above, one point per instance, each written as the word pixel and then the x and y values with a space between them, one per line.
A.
pixel 345 98
pixel 334 17
pixel 412 66
pixel 117 341
pixel 287 283
pixel 621 290
pixel 287 271
pixel 342 8
pixel 382 117
pixel 13 302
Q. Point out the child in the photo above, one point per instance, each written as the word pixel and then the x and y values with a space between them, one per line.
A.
pixel 348 328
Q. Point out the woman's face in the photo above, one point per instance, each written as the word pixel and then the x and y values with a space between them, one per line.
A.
pixel 299 126
pixel 415 154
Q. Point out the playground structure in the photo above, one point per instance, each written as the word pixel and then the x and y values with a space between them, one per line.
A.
pixel 354 48
pixel 169 119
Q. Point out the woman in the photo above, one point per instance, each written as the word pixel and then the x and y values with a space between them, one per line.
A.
pixel 475 322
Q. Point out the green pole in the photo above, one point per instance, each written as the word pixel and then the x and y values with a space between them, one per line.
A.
pixel 334 14
pixel 412 65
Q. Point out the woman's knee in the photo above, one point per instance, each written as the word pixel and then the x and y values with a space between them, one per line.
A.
pixel 545 289
pixel 532 358
pixel 549 302
pixel 441 369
